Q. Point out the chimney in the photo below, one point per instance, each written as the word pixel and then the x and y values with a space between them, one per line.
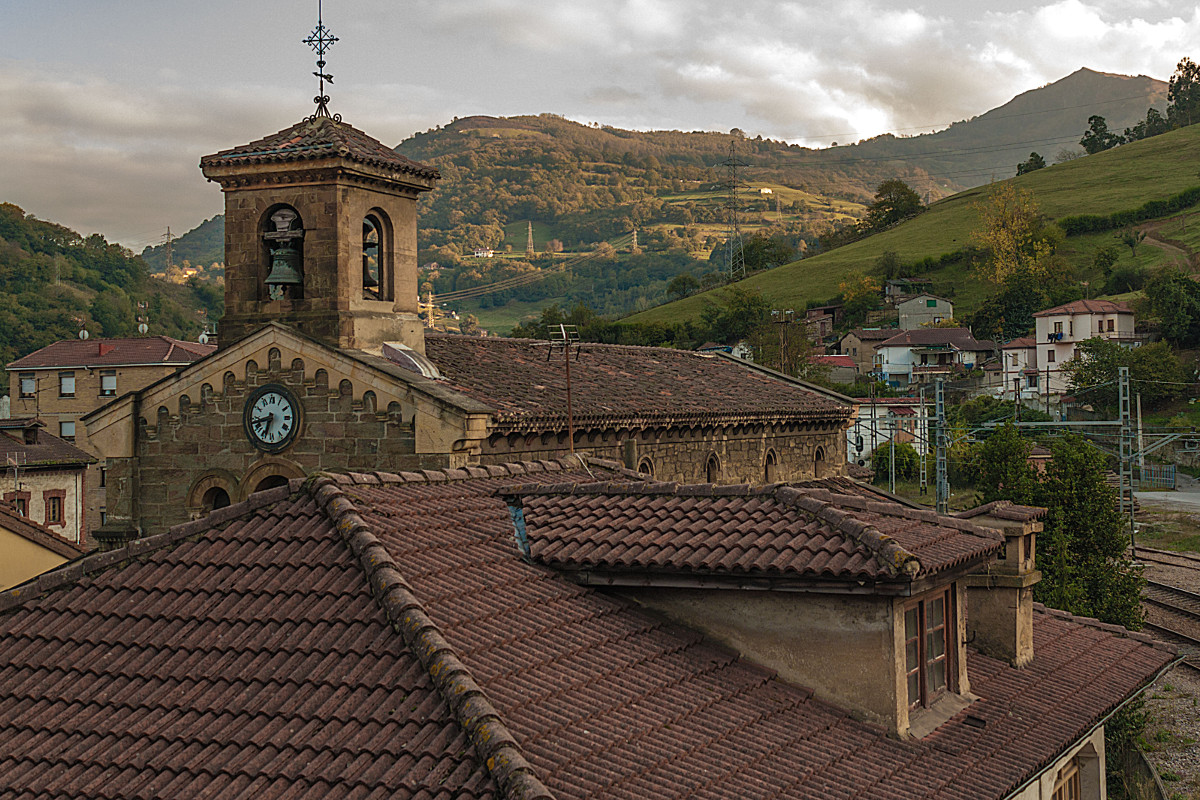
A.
pixel 1000 596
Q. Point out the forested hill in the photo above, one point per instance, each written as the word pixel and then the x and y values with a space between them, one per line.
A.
pixel 52 281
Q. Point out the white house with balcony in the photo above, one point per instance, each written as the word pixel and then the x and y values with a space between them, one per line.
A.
pixel 921 355
pixel 1019 362
pixel 1060 329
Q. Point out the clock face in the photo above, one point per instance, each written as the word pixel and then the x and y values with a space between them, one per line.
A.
pixel 271 417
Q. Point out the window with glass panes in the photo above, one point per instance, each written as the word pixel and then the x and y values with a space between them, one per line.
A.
pixel 66 384
pixel 108 383
pixel 928 633
pixel 28 384
pixel 1067 785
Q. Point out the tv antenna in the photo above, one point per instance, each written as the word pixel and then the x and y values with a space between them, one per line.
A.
pixel 735 260
pixel 565 339
pixel 321 40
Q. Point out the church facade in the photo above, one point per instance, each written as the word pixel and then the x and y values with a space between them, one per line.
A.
pixel 323 364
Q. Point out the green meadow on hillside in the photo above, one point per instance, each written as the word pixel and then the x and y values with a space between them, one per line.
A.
pixel 1114 180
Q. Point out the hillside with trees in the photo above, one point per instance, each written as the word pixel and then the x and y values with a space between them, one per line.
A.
pixel 53 282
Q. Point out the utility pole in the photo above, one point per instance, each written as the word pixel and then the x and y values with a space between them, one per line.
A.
pixel 783 319
pixel 924 429
pixel 735 260
pixel 943 482
pixel 1017 399
pixel 1048 391
pixel 1126 454
pixel 168 241
pixel 892 454
pixel 633 247
pixel 529 239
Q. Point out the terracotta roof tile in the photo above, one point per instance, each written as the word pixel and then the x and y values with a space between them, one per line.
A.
pixel 610 382
pixel 46 451
pixel 273 653
pixel 1086 307
pixel 319 138
pixel 775 531
pixel 960 338
pixel 1004 509
pixel 134 350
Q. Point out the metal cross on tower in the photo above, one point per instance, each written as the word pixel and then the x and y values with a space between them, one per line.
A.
pixel 735 261
pixel 321 40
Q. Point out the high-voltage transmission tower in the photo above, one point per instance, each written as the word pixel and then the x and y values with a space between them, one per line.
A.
pixel 529 239
pixel 735 261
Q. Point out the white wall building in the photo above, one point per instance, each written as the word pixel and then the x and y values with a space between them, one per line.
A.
pixel 1061 328
pixel 921 355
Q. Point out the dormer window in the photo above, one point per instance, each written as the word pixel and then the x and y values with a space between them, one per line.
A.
pixel 927 627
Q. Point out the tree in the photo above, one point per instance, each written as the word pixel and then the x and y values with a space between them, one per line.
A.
pixel 860 294
pixel 890 266
pixel 895 201
pixel 682 285
pixel 1183 94
pixel 784 345
pixel 1175 299
pixel 1098 137
pixel 737 313
pixel 1066 154
pixel 1002 469
pixel 1154 124
pixel 1020 244
pixel 907 461
pixel 1131 238
pixel 1034 162
pixel 469 325
pixel 1081 550
pixel 1154 369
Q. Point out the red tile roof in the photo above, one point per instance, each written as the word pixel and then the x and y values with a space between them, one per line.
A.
pixel 46 451
pixel 872 334
pixel 1004 509
pixel 637 385
pixel 31 531
pixel 738 531
pixel 130 351
pixel 1087 307
pixel 313 139
pixel 1022 343
pixel 960 338
pixel 834 360
pixel 378 636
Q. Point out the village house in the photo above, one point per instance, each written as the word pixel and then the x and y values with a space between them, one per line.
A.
pixel 1060 329
pixel 45 478
pixel 474 633
pixel 880 420
pixel 323 363
pixel 1020 369
pixel 924 354
pixel 65 380
pixel 860 345
pixel 923 309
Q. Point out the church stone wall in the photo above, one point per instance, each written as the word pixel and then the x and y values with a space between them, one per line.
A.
pixel 201 445
pixel 683 454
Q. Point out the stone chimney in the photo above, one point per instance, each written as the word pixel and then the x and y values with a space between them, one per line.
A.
pixel 1000 596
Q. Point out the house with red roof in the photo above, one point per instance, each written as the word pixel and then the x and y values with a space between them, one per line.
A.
pixel 45 478
pixel 561 629
pixel 921 355
pixel 65 380
pixel 1060 329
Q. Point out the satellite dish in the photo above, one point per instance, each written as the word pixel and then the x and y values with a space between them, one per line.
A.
pixel 83 334
pixel 142 328
pixel 203 338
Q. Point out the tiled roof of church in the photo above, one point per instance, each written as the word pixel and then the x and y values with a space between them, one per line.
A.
pixel 318 138
pixel 380 636
pixel 126 351
pixel 621 383
pixel 767 532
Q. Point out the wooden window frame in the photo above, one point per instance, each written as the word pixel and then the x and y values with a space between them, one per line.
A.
pixel 1067 784
pixel 19 501
pixel 59 495
pixel 922 643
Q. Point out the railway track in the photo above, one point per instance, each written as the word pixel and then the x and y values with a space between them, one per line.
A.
pixel 1173 614
pixel 1168 557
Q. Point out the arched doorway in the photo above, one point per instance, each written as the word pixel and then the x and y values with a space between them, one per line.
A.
pixel 712 469
pixel 770 468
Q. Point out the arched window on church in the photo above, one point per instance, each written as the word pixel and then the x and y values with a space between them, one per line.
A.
pixel 712 469
pixel 270 482
pixel 283 254
pixel 819 465
pixel 377 279
pixel 646 467
pixel 214 498
pixel 770 468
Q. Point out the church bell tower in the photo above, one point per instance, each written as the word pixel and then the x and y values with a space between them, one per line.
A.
pixel 321 235
pixel 321 230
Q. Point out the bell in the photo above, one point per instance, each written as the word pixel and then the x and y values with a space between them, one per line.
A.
pixel 284 266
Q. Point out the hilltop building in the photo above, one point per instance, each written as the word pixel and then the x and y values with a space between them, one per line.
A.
pixel 923 309
pixel 473 633
pixel 323 363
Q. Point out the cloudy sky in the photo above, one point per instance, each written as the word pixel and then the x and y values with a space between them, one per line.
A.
pixel 109 105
